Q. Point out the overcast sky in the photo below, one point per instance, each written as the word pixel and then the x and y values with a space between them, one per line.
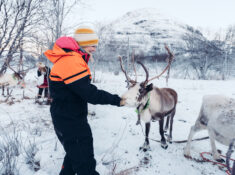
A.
pixel 213 14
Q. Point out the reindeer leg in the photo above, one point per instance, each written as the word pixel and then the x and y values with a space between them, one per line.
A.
pixel 138 120
pixel 215 153
pixel 147 129
pixel 233 170
pixel 163 140
pixel 146 146
pixel 10 92
pixel 3 88
pixel 171 126
pixel 194 129
pixel 167 124
pixel 138 115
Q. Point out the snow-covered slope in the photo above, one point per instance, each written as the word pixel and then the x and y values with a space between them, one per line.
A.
pixel 116 137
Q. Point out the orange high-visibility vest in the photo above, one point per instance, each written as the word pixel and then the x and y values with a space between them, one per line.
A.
pixel 68 66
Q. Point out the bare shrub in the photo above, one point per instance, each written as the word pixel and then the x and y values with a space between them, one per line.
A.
pixel 9 151
pixel 1 155
pixel 30 153
pixel 9 161
pixel 37 131
pixel 129 171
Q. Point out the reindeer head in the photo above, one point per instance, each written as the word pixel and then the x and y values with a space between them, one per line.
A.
pixel 19 76
pixel 138 92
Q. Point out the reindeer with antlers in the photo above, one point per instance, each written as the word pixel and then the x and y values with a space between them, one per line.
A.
pixel 152 103
pixel 10 80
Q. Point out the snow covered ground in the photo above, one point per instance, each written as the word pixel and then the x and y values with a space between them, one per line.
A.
pixel 116 137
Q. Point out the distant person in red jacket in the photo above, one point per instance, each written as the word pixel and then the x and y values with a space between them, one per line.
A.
pixel 45 71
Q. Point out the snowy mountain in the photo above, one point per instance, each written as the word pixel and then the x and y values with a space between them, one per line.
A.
pixel 149 30
pixel 146 31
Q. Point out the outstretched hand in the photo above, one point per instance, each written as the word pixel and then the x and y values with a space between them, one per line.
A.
pixel 123 102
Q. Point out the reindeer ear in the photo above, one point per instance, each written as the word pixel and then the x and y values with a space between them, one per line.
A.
pixel 144 91
pixel 149 87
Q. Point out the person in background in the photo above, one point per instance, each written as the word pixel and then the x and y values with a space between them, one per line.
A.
pixel 43 71
pixel 71 91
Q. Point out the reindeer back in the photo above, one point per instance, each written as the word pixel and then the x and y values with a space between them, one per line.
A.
pixel 162 100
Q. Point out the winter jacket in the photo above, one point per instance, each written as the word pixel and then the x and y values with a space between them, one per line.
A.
pixel 70 87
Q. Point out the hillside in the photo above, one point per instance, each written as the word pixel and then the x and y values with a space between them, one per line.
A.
pixel 148 31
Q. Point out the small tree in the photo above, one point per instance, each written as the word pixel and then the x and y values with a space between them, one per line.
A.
pixel 229 48
pixel 203 54
pixel 18 18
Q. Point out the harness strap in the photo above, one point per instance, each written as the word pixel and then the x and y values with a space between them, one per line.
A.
pixel 146 106
pixel 214 162
pixel 13 76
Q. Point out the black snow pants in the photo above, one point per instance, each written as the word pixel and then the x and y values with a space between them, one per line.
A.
pixel 40 91
pixel 79 157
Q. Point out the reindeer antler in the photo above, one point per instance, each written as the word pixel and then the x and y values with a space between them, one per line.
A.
pixel 18 74
pixel 146 71
pixel 170 58
pixel 127 77
pixel 133 63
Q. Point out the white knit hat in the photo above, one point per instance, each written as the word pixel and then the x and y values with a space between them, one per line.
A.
pixel 85 36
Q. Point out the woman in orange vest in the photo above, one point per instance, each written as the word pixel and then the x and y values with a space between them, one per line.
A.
pixel 71 91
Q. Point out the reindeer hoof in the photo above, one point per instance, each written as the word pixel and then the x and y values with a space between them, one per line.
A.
pixel 145 148
pixel 164 145
pixel 169 140
pixel 188 156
